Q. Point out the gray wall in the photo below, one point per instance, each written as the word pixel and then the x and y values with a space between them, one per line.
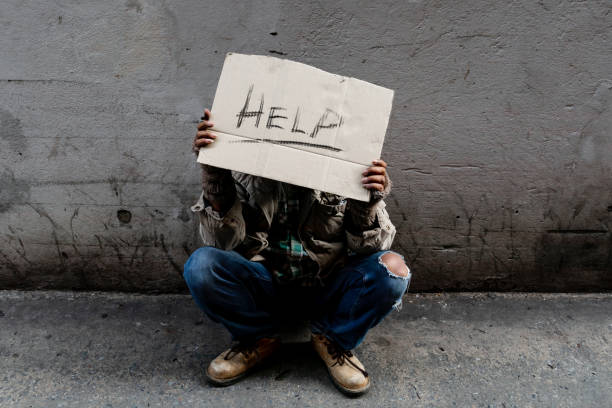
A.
pixel 499 144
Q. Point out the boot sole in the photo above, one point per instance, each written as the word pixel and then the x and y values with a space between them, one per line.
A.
pixel 227 381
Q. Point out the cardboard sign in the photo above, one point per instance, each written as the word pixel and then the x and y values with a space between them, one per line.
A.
pixel 294 123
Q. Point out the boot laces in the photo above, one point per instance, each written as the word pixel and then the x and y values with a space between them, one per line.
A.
pixel 342 356
pixel 245 348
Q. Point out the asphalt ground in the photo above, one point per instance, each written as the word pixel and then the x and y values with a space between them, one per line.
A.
pixel 85 349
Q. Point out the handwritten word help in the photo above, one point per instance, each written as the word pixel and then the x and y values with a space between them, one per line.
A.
pixel 277 119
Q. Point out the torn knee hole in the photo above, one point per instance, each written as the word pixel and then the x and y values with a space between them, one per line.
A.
pixel 395 264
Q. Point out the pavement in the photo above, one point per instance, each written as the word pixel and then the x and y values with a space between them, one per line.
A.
pixel 86 349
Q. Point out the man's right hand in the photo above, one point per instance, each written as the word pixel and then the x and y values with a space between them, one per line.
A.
pixel 217 183
pixel 203 137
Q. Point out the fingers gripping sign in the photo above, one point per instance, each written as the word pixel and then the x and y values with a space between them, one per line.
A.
pixel 375 176
pixel 203 136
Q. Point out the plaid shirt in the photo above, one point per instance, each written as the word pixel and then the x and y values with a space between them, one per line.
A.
pixel 285 256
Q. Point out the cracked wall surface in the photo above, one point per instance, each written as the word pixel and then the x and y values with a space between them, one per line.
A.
pixel 499 144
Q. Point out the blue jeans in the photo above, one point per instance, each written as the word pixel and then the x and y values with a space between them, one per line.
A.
pixel 243 296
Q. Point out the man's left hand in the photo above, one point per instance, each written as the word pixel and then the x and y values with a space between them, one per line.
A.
pixel 375 177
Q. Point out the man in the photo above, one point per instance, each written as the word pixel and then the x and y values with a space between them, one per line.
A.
pixel 276 252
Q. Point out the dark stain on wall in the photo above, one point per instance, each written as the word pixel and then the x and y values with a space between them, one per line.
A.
pixel 11 132
pixel 12 190
pixel 134 5
pixel 574 260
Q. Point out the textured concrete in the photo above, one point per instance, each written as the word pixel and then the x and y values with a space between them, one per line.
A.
pixel 499 142
pixel 487 350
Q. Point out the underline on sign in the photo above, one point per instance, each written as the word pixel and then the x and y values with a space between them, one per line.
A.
pixel 288 142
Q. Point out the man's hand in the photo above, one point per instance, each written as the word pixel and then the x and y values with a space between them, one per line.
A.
pixel 203 137
pixel 375 177
pixel 217 183
pixel 362 215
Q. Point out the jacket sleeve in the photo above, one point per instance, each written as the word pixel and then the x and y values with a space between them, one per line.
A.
pixel 223 229
pixel 368 226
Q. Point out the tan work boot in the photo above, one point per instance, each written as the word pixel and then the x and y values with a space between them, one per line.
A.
pixel 345 370
pixel 234 363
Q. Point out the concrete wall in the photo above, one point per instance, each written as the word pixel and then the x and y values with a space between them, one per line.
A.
pixel 500 141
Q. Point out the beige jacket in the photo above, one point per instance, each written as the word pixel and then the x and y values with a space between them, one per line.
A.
pixel 330 227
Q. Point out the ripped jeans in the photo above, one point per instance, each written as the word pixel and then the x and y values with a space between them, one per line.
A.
pixel 243 296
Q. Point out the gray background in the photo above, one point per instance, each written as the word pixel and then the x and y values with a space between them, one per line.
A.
pixel 499 143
